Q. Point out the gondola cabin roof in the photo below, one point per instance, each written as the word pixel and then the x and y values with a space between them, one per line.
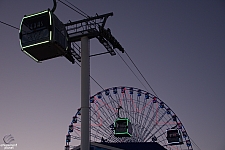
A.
pixel 43 36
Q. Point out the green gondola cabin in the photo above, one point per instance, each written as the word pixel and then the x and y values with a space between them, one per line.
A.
pixel 122 127
pixel 43 36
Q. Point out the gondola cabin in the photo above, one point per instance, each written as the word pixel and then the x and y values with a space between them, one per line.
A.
pixel 43 36
pixel 174 137
pixel 122 127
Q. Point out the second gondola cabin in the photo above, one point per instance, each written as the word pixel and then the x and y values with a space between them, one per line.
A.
pixel 122 127
pixel 43 36
pixel 174 137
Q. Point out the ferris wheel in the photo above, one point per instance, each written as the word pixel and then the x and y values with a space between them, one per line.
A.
pixel 128 114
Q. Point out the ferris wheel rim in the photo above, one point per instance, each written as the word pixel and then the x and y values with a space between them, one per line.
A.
pixel 136 90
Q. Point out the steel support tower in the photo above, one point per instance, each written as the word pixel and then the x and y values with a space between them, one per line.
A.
pixel 84 30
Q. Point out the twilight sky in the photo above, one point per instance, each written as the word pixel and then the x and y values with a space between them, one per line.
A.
pixel 179 46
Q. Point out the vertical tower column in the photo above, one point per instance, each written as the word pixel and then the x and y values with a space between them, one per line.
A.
pixel 85 93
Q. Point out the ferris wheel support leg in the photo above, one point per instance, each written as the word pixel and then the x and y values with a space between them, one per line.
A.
pixel 85 93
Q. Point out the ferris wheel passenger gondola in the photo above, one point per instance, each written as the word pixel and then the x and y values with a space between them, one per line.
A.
pixel 122 127
pixel 174 137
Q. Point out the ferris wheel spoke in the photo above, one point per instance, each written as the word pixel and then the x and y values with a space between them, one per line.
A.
pixel 113 102
pixel 137 133
pixel 111 138
pixel 161 138
pixel 106 103
pixel 107 115
pixel 150 122
pixel 142 112
pixel 76 137
pixel 95 116
pixel 156 130
pixel 96 122
pixel 77 128
pixel 104 112
pixel 131 108
pixel 111 109
pixel 146 118
pixel 134 111
pixel 96 136
pixel 117 97
pixel 125 105
pixel 154 126
pixel 122 105
pixel 137 109
pixel 125 101
pixel 100 131
pixel 76 134
pixel 103 128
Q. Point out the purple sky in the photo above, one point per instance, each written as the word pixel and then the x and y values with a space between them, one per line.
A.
pixel 179 46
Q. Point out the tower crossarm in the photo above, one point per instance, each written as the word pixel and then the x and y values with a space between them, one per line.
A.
pixel 86 27
pixel 106 34
pixel 92 27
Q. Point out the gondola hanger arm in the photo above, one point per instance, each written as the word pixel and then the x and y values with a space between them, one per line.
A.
pixel 54 6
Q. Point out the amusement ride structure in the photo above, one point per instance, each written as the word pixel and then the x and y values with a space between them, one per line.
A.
pixel 114 115
pixel 127 114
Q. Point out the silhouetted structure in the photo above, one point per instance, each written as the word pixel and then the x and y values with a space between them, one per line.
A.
pixel 124 146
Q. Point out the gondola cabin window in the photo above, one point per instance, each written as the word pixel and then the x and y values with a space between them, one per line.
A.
pixel 43 36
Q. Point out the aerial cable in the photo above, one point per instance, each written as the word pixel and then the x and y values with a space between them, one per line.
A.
pixel 73 9
pixel 194 143
pixel 92 77
pixel 117 53
pixel 9 25
pixel 140 73
pixel 76 62
pixel 85 15
pixel 132 71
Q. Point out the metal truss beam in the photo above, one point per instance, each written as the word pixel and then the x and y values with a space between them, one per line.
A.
pixel 92 27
